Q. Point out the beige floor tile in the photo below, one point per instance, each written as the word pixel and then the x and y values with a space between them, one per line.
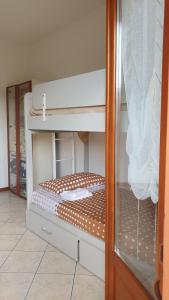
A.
pixel 15 206
pixel 3 200
pixel 21 203
pixel 31 242
pixel 51 287
pixel 88 287
pixel 26 262
pixel 8 242
pixel 82 271
pixel 17 217
pixel 13 218
pixel 14 286
pixel 4 208
pixel 3 256
pixel 18 211
pixel 56 262
pixel 4 196
pixel 50 248
pixel 13 228
pixel 4 216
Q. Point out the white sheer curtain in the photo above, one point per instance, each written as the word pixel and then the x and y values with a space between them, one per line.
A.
pixel 142 24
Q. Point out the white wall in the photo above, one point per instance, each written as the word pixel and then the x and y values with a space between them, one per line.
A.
pixel 76 49
pixel 13 69
pixel 97 153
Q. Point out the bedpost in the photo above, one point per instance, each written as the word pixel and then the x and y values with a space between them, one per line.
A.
pixel 28 144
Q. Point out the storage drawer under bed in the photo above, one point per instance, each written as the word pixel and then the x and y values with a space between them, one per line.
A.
pixel 55 235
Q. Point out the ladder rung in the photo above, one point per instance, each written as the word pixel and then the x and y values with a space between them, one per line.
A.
pixel 62 139
pixel 64 159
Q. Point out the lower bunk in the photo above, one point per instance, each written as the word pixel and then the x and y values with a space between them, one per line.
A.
pixel 77 228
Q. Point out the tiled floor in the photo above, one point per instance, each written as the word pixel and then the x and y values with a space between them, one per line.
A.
pixel 31 269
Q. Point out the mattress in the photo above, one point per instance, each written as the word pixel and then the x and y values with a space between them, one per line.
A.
pixel 46 200
pixel 87 214
pixel 69 110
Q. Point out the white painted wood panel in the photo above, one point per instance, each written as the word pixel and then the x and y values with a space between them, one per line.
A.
pixel 81 90
pixel 94 121
pixel 92 258
pixel 57 236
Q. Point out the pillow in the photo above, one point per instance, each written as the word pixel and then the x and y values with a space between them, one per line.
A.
pixel 70 182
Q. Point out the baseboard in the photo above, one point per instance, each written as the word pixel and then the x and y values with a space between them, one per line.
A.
pixel 4 189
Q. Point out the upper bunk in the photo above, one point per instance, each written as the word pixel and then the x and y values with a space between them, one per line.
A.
pixel 76 103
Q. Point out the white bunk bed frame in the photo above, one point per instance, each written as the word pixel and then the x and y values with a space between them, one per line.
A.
pixel 88 250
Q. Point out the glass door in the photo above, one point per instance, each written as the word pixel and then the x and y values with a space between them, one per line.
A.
pixel 136 100
pixel 138 110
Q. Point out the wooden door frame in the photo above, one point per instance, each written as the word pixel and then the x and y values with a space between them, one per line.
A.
pixel 163 234
pixel 17 114
pixel 110 143
pixel 111 24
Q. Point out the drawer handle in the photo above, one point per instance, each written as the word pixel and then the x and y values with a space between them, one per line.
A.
pixel 45 230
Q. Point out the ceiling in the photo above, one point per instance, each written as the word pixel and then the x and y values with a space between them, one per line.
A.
pixel 26 21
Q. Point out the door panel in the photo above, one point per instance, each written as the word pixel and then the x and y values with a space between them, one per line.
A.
pixel 119 290
pixel 124 280
pixel 134 199
pixel 110 138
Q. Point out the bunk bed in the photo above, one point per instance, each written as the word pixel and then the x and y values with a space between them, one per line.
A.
pixel 78 101
pixel 76 228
